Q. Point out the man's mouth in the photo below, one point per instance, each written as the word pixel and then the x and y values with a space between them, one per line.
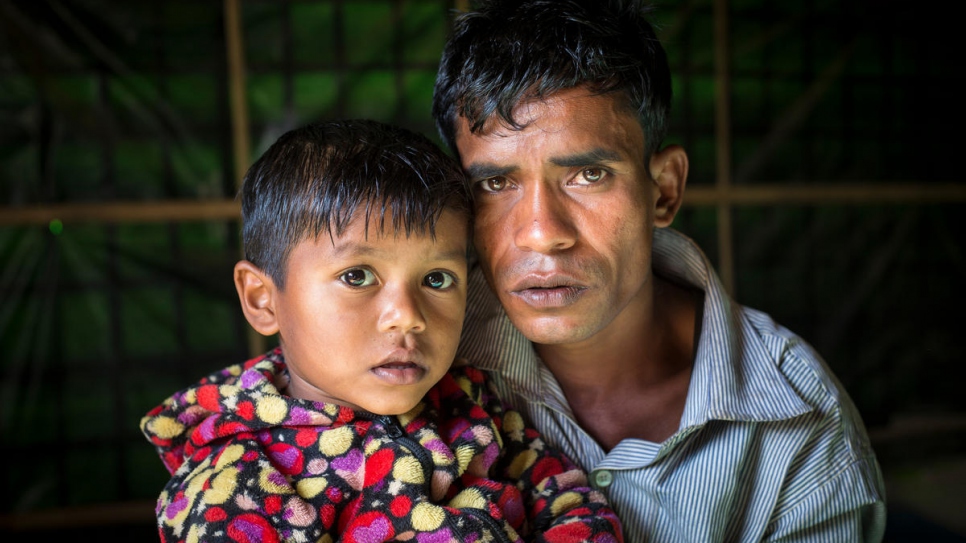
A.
pixel 549 296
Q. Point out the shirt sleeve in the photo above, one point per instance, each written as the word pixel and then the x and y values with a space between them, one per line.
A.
pixel 833 488
pixel 846 508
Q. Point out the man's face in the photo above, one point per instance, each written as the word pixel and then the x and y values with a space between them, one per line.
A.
pixel 564 214
pixel 373 322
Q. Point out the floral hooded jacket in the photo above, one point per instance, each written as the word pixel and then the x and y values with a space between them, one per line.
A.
pixel 250 464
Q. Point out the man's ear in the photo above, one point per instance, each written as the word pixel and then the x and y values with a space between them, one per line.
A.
pixel 669 169
pixel 257 294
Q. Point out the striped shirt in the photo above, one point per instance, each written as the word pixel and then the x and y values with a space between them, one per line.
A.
pixel 770 446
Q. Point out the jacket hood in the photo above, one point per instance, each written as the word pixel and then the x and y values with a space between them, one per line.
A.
pixel 244 398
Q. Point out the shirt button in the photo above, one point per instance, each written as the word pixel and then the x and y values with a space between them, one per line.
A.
pixel 603 478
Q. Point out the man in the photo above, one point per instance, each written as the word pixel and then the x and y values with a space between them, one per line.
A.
pixel 702 420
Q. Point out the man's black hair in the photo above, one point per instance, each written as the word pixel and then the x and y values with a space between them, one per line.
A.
pixel 508 51
pixel 313 180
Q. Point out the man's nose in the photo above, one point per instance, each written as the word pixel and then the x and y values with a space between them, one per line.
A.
pixel 543 222
pixel 401 310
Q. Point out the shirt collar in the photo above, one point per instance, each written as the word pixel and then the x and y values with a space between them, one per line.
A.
pixel 735 375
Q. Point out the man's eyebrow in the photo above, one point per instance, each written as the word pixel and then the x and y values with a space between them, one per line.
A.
pixel 485 170
pixel 594 156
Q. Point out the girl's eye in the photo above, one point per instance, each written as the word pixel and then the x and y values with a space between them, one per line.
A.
pixel 493 184
pixel 358 277
pixel 591 175
pixel 439 280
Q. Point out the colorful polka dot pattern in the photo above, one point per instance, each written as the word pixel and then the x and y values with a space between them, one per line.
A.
pixel 251 465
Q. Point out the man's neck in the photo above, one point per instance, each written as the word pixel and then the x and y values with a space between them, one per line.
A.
pixel 631 379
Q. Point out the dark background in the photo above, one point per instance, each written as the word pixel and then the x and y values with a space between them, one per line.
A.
pixel 831 172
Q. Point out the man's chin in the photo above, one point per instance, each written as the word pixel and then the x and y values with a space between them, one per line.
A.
pixel 556 330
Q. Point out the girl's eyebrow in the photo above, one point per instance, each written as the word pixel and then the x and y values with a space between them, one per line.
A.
pixel 356 249
pixel 455 254
pixel 351 248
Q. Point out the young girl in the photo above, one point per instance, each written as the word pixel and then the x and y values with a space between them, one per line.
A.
pixel 356 428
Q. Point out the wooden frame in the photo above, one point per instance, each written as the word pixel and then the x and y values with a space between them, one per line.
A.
pixel 723 195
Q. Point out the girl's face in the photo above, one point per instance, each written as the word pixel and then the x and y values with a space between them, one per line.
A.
pixel 372 322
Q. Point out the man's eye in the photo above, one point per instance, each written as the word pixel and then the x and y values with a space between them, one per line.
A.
pixel 439 280
pixel 493 184
pixel 590 176
pixel 358 277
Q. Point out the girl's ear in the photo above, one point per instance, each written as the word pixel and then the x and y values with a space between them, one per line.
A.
pixel 669 170
pixel 257 294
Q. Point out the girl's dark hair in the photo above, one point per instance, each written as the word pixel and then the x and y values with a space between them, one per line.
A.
pixel 508 51
pixel 313 180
